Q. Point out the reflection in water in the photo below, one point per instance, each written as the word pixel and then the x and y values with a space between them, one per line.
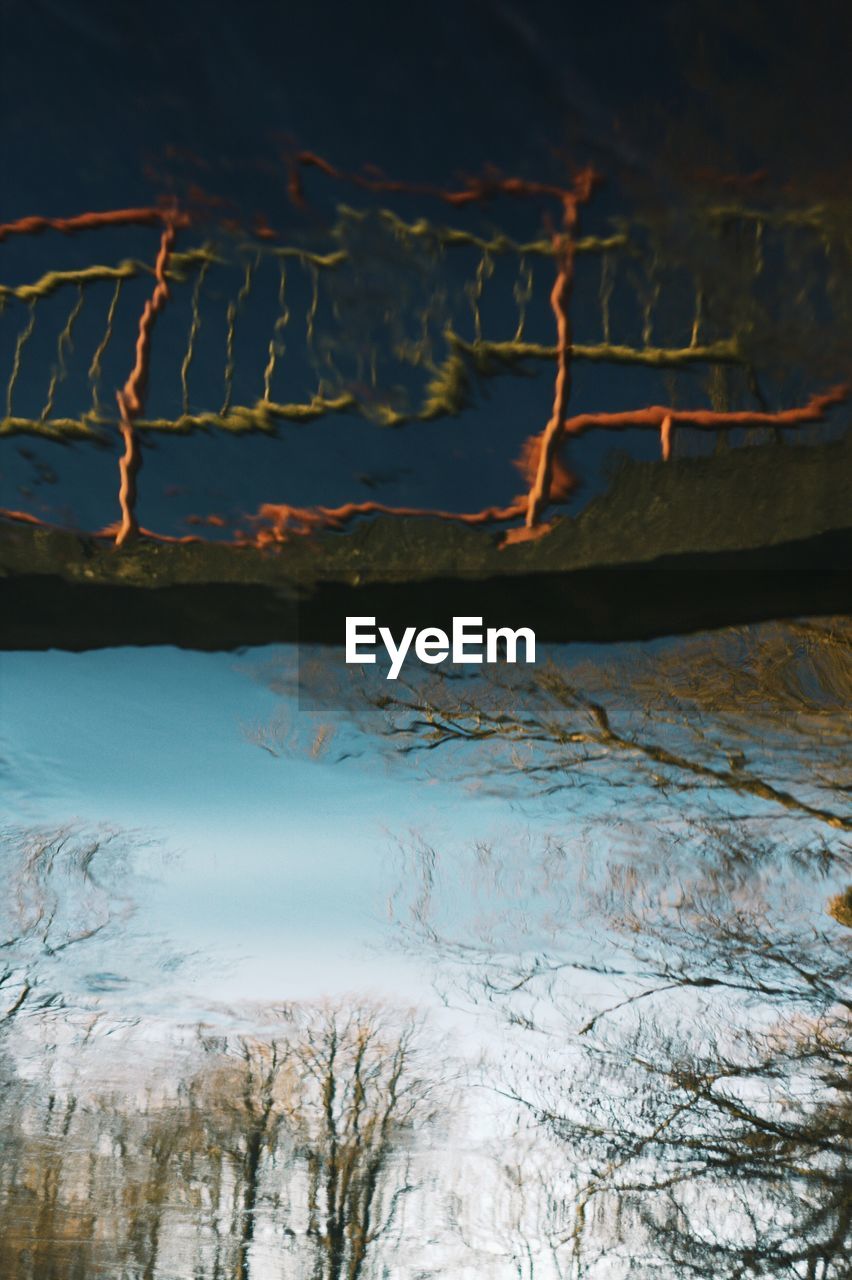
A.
pixel 296 1144
pixel 591 1017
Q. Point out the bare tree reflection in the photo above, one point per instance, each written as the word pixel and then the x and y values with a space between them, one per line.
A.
pixel 295 1144
pixel 675 981
pixel 692 1047
pixel 63 888
pixel 340 1095
pixel 748 722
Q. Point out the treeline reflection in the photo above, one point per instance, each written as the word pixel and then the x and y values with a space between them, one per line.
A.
pixel 642 1063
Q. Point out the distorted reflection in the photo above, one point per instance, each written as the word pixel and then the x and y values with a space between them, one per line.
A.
pixel 543 975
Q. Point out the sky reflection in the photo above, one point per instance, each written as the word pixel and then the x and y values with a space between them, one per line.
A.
pixel 283 863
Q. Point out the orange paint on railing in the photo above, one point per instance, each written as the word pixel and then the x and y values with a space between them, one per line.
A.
pixel 474 190
pixel 214 521
pixel 91 221
pixel 548 478
pixel 563 482
pixel 277 520
pixel 560 297
pixel 666 437
pixel 478 189
pixel 656 416
pixel 663 419
pixel 26 516
pixel 131 396
pixel 109 531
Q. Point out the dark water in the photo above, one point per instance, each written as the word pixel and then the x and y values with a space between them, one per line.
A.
pixel 119 106
pixel 538 973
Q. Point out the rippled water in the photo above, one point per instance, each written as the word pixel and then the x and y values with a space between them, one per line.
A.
pixel 531 974
pixel 539 974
